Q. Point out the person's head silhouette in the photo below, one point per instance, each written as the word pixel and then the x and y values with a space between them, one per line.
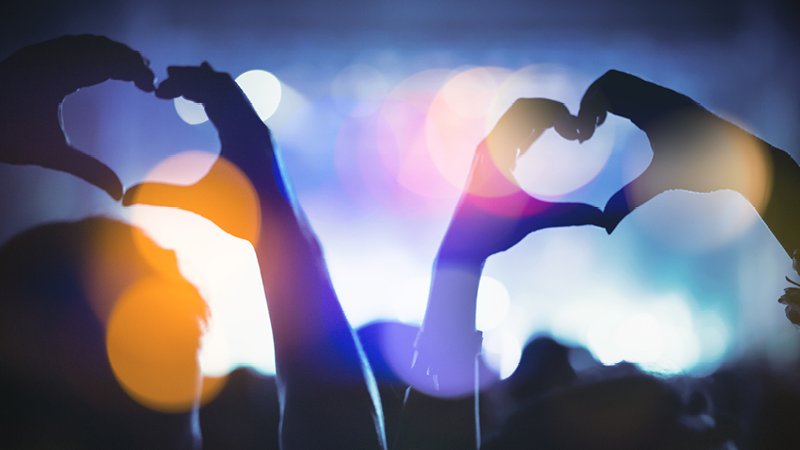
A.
pixel 93 316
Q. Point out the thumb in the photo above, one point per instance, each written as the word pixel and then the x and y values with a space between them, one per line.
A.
pixel 158 194
pixel 634 194
pixel 554 215
pixel 86 167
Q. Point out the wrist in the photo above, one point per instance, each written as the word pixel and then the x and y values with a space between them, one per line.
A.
pixel 459 259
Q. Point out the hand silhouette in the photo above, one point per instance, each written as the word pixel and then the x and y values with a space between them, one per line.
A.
pixel 494 213
pixel 221 196
pixel 693 149
pixel 35 80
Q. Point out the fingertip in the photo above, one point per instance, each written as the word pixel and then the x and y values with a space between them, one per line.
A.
pixel 167 89
pixel 146 82
pixel 115 191
pixel 611 227
pixel 130 195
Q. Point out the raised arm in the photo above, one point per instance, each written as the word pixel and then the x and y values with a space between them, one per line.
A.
pixel 493 215
pixel 34 82
pixel 327 394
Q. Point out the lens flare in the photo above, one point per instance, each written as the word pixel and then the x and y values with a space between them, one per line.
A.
pixel 152 340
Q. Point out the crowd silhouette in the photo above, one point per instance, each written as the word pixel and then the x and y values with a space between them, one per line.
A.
pixel 77 371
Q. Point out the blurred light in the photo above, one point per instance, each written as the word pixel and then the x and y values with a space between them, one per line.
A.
pixel 713 335
pixel 502 352
pixel 153 337
pixel 639 338
pixel 191 112
pixel 600 338
pixel 360 82
pixel 263 89
pixel 493 304
pixel 471 92
pixel 413 300
pixel 291 102
pixel 695 223
pixel 658 334
pixel 214 357
pixel 456 120
pixel 401 171
pixel 184 168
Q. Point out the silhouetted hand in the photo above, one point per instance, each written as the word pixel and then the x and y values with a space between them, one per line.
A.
pixel 494 213
pixel 693 149
pixel 220 196
pixel 34 82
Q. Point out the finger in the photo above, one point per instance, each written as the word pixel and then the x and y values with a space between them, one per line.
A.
pixel 629 96
pixel 556 215
pixel 119 62
pixel 592 112
pixel 530 140
pixel 634 194
pixel 574 214
pixel 199 84
pixel 87 60
pixel 568 127
pixel 83 166
pixel 521 125
pixel 157 194
pixel 616 209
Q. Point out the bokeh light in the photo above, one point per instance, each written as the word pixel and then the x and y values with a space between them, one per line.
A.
pixel 360 82
pixel 191 112
pixel 153 338
pixel 262 89
pixel 457 120
pixel 493 304
pixel 502 352
pixel 658 334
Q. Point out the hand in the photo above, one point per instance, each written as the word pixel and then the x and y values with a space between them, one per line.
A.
pixel 35 81
pixel 494 213
pixel 692 148
pixel 223 196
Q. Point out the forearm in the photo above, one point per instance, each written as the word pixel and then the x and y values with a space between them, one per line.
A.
pixel 448 342
pixel 453 297
pixel 326 386
pixel 782 212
